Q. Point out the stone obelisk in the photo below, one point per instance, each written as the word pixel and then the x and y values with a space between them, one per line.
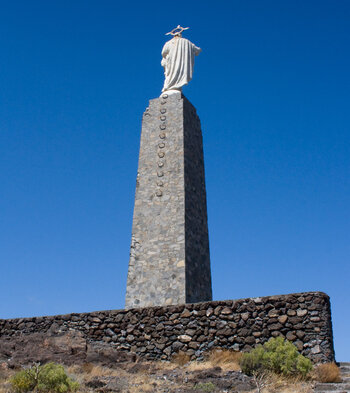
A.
pixel 169 257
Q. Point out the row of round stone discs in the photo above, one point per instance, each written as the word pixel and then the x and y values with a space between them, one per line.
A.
pixel 161 145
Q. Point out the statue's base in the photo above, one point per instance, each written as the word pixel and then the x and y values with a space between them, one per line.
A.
pixel 170 92
pixel 169 253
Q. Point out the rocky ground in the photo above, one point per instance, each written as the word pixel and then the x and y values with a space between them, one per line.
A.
pixel 166 377
pixel 100 368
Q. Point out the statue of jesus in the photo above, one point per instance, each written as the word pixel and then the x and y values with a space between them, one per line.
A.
pixel 178 60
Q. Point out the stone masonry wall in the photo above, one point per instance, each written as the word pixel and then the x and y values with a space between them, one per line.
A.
pixel 169 253
pixel 198 275
pixel 159 332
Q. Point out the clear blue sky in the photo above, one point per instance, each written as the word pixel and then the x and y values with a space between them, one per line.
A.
pixel 272 89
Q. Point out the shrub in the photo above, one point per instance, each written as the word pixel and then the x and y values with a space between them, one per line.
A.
pixel 23 381
pixel 277 355
pixel 43 379
pixel 328 372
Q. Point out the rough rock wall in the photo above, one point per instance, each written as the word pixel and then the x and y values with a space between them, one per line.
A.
pixel 198 275
pixel 169 254
pixel 159 332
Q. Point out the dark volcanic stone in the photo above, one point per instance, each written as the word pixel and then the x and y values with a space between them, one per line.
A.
pixel 154 333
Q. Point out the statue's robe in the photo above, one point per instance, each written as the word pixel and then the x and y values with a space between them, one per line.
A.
pixel 178 61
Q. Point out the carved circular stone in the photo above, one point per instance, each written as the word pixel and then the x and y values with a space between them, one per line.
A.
pixel 160 164
pixel 160 174
pixel 163 118
pixel 161 154
pixel 162 126
pixel 160 183
pixel 163 110
pixel 161 145
pixel 159 193
pixel 162 135
pixel 165 96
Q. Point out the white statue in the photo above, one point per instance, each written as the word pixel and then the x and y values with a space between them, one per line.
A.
pixel 178 60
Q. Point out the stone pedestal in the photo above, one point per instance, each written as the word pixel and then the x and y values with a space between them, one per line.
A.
pixel 169 257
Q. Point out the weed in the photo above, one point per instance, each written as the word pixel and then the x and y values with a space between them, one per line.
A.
pixel 328 372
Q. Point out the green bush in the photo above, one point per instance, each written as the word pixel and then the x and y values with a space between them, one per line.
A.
pixel 23 381
pixel 50 378
pixel 277 355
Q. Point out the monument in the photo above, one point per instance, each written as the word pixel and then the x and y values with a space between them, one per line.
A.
pixel 169 255
pixel 170 264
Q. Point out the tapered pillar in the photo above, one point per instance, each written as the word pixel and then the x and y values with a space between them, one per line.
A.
pixel 169 256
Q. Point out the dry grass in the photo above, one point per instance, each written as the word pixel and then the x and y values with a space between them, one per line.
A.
pixel 327 372
pixel 227 359
pixel 5 375
pixel 181 358
pixel 224 358
pixel 92 371
pixel 3 381
pixel 87 368
pixel 302 387
pixel 197 366
pixel 142 383
pixel 164 365
pixel 281 384
pixel 139 382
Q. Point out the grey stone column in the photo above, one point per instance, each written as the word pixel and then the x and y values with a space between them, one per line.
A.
pixel 169 255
